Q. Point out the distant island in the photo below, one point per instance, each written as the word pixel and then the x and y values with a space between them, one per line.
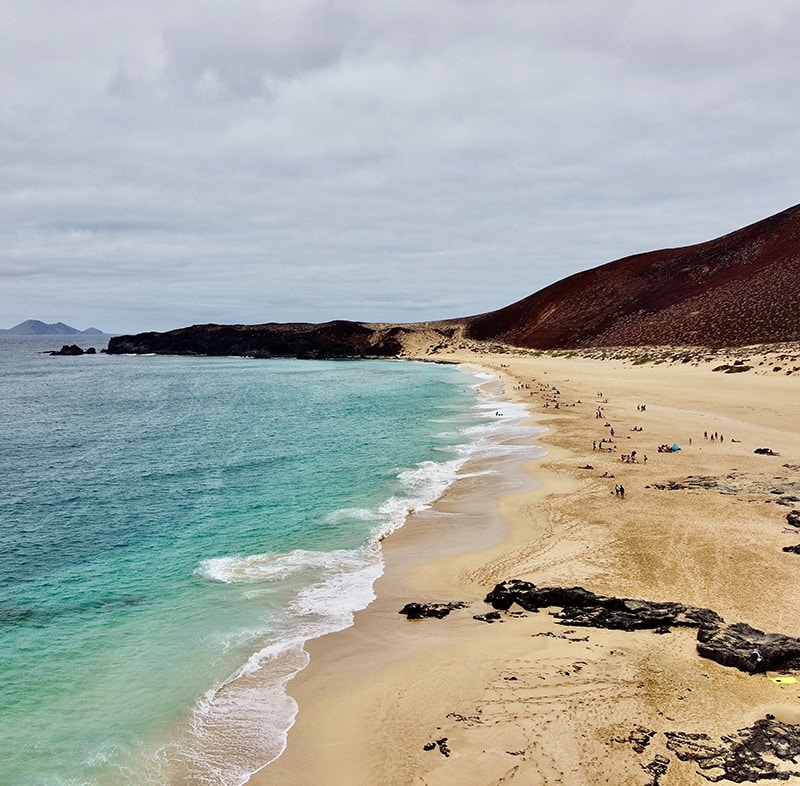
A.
pixel 35 327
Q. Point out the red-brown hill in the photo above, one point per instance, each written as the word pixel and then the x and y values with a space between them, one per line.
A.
pixel 742 288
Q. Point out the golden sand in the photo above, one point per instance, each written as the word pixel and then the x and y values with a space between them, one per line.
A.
pixel 527 700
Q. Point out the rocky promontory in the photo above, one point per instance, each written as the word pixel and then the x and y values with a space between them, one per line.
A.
pixel 337 339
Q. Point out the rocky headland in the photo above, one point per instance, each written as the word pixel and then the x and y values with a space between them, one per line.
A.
pixel 339 339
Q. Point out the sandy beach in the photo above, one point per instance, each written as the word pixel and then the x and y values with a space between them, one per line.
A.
pixel 525 699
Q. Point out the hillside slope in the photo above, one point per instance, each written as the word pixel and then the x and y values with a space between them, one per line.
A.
pixel 742 288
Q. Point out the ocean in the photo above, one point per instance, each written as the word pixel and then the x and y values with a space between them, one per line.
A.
pixel 173 529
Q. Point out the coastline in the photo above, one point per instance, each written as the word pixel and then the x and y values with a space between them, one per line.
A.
pixel 526 698
pixel 469 504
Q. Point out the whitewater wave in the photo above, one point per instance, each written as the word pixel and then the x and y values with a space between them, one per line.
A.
pixel 274 567
pixel 247 718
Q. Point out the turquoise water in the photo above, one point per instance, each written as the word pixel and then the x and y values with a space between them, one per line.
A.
pixel 173 529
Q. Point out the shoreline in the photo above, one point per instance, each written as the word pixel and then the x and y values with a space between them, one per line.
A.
pixel 431 534
pixel 509 696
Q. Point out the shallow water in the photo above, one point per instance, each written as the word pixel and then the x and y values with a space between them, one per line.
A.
pixel 174 528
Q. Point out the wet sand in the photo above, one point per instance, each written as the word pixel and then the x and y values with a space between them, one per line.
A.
pixel 525 699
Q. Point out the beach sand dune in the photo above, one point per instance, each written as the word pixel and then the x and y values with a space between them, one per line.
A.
pixel 526 699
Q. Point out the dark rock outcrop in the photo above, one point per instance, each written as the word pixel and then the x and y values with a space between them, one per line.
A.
pixel 793 518
pixel 639 738
pixel 780 489
pixel 749 649
pixel 739 646
pixel 490 616
pixel 580 607
pixel 766 751
pixel 441 744
pixel 657 768
pixel 418 611
pixel 72 349
pixel 758 752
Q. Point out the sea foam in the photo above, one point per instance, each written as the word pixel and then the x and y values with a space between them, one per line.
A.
pixel 337 583
pixel 263 492
pixel 273 567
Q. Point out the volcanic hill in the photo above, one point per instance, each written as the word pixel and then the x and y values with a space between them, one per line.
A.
pixel 740 289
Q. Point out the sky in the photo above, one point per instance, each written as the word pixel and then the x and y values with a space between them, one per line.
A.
pixel 168 164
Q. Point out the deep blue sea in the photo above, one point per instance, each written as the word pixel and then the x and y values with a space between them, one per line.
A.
pixel 173 529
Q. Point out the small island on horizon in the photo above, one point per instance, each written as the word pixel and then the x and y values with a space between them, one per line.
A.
pixel 35 327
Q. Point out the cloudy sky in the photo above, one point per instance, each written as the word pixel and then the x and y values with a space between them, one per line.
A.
pixel 164 164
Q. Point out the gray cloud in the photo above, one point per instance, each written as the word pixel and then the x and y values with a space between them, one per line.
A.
pixel 264 161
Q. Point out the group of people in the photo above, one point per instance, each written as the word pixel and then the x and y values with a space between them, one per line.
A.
pixel 626 458
pixel 606 445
